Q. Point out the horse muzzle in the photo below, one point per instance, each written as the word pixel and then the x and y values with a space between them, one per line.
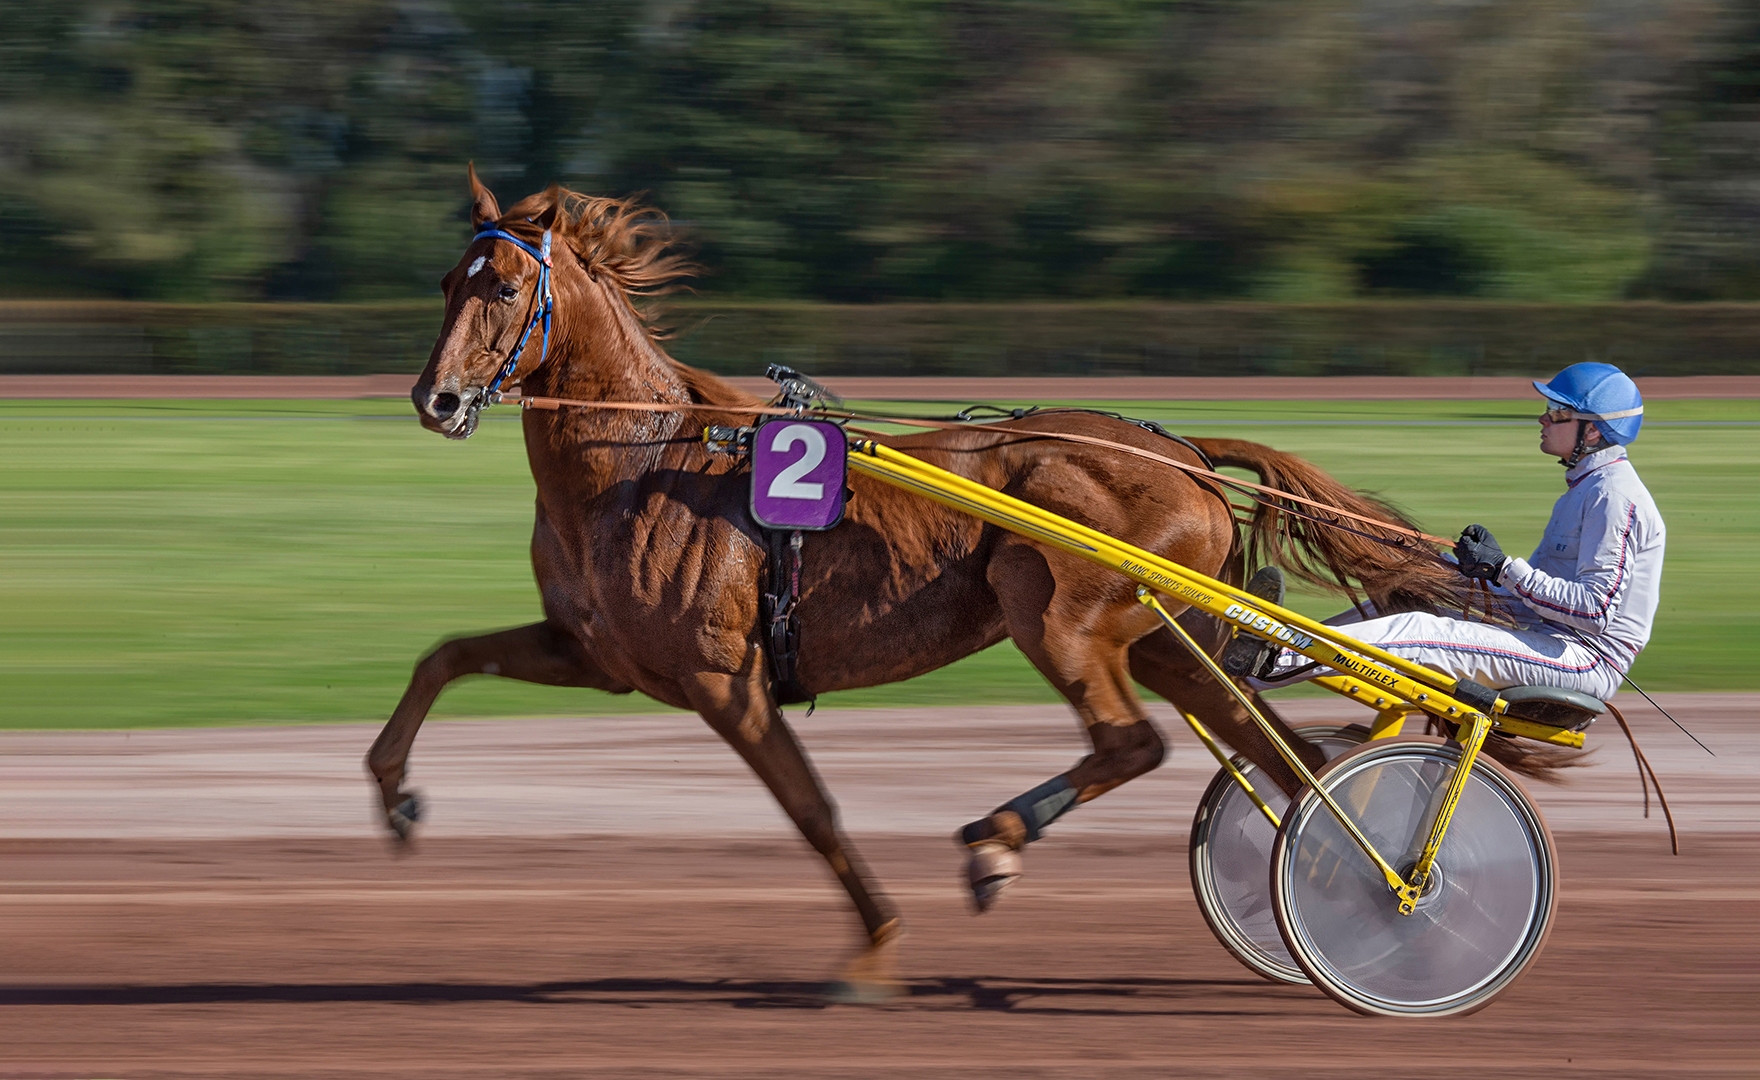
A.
pixel 452 413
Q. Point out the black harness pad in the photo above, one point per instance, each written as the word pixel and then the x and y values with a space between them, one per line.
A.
pixel 782 621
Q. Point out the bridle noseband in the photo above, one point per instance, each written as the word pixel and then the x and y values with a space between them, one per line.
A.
pixel 539 314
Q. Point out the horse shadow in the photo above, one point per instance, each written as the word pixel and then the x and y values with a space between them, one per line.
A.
pixel 1038 996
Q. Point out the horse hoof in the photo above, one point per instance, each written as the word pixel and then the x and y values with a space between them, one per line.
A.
pixel 864 991
pixel 992 867
pixel 872 976
pixel 403 817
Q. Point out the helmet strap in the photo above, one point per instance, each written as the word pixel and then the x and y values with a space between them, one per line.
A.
pixel 1582 446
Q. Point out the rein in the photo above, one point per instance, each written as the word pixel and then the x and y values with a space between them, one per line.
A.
pixel 1258 492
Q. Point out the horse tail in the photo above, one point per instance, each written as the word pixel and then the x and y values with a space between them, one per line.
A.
pixel 1535 761
pixel 1405 576
pixel 1394 572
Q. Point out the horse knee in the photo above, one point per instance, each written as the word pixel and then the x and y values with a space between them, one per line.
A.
pixel 437 663
pixel 453 659
pixel 1149 750
pixel 1139 749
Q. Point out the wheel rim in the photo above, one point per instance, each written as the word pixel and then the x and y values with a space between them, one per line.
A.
pixel 1231 860
pixel 1472 934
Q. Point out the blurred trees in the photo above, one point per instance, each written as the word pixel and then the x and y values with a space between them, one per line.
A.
pixel 1544 150
pixel 208 149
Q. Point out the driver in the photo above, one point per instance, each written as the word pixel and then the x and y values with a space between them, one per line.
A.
pixel 1584 601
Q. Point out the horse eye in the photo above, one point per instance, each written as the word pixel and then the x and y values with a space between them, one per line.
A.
pixel 507 292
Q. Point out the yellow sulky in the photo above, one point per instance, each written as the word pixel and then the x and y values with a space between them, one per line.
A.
pixel 1393 686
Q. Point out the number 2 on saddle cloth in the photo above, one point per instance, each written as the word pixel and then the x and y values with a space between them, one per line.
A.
pixel 799 482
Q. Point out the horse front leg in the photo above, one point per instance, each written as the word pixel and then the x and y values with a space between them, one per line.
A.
pixel 539 653
pixel 741 711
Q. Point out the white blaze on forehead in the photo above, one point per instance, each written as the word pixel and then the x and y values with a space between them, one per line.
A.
pixel 478 265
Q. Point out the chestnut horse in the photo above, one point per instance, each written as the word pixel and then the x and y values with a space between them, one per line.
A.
pixel 650 568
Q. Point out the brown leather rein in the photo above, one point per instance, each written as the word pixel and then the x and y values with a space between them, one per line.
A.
pixel 1257 492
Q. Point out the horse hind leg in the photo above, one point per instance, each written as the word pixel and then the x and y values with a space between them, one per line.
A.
pixel 1164 665
pixel 1082 651
pixel 538 653
pixel 995 842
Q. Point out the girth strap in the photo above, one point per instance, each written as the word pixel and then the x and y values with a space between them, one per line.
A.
pixel 782 622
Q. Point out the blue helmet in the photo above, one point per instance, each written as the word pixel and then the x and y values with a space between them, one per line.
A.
pixel 1602 393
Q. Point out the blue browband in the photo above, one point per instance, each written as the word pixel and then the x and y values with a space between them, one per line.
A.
pixel 541 314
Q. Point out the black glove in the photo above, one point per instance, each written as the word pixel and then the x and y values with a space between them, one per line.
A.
pixel 1478 554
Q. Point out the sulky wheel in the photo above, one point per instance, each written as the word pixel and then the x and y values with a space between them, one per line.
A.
pixel 1481 921
pixel 1231 859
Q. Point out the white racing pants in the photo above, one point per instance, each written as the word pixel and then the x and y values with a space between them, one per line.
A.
pixel 1496 656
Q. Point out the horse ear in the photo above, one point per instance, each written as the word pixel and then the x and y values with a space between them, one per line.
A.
pixel 484 208
pixel 547 216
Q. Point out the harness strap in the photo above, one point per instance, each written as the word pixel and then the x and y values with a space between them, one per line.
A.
pixel 967 415
pixel 782 637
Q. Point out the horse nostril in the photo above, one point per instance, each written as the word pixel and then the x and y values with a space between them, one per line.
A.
pixel 443 406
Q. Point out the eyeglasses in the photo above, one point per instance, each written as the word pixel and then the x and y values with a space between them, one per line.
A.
pixel 1558 415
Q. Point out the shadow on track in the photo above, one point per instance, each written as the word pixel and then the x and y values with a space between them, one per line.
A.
pixel 1120 997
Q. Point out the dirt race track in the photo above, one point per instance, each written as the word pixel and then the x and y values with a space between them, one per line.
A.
pixel 617 897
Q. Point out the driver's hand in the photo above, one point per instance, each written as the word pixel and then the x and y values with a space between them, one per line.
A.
pixel 1478 554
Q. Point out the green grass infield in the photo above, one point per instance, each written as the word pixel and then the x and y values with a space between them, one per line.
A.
pixel 225 562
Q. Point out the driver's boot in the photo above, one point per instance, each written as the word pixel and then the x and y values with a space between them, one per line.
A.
pixel 1248 656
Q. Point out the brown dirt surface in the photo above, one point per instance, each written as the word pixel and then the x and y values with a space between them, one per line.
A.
pixel 618 897
pixel 1116 388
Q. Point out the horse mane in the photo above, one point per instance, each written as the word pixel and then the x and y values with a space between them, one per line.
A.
pixel 622 241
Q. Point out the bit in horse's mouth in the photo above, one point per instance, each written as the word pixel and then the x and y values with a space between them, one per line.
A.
pixel 467 423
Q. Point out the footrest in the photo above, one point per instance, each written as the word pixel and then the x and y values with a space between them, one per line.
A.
pixel 1552 706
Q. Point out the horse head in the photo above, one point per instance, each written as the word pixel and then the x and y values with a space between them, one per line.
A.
pixel 526 278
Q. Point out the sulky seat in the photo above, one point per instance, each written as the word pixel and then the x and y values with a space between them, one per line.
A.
pixel 1552 706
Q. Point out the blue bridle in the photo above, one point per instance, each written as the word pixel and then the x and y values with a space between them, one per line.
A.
pixel 540 314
